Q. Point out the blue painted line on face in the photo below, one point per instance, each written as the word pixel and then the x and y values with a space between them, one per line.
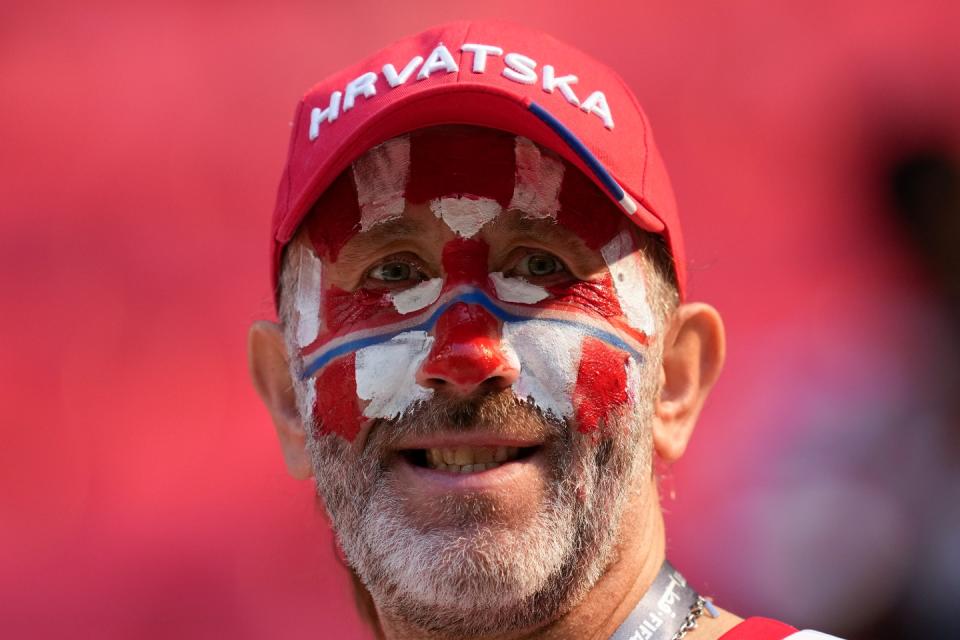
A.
pixel 470 297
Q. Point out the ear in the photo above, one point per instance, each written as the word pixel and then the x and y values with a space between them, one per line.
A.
pixel 270 370
pixel 693 353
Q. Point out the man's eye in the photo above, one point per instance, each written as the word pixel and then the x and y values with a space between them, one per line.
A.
pixel 391 272
pixel 539 264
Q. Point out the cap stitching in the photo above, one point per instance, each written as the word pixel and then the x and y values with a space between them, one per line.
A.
pixel 466 39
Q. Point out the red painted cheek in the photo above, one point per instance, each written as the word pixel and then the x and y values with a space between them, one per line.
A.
pixel 466 351
pixel 344 309
pixel 601 384
pixel 596 296
pixel 336 408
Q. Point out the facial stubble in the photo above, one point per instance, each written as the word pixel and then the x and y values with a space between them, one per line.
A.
pixel 478 573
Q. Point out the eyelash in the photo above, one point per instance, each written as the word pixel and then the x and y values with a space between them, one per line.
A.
pixel 415 271
pixel 523 266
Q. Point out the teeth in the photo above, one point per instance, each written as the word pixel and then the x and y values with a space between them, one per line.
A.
pixel 470 459
pixel 462 456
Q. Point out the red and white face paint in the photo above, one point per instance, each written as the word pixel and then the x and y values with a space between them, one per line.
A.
pixel 573 349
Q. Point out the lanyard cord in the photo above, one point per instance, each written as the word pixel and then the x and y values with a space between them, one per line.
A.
pixel 667 611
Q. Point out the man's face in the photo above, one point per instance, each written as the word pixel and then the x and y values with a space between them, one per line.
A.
pixel 475 351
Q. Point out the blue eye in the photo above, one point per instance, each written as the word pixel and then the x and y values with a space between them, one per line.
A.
pixel 539 264
pixel 391 272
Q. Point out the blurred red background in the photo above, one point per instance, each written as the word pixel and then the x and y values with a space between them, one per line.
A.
pixel 143 494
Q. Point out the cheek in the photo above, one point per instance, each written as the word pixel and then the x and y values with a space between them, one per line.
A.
pixel 601 384
pixel 596 297
pixel 347 309
pixel 569 374
pixel 335 408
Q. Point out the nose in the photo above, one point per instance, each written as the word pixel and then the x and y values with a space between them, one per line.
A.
pixel 467 354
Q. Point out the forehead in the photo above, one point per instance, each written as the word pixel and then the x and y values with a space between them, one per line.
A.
pixel 467 177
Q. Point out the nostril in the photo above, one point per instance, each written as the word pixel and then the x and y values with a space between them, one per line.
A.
pixel 497 383
pixel 433 383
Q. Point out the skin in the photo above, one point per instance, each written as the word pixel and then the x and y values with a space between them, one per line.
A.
pixel 693 354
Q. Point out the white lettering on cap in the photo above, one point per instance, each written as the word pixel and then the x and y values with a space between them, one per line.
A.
pixel 439 59
pixel 480 53
pixel 520 68
pixel 330 114
pixel 364 85
pixel 517 67
pixel 395 79
pixel 596 103
pixel 551 82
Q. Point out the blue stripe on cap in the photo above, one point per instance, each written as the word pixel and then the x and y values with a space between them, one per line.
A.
pixel 585 154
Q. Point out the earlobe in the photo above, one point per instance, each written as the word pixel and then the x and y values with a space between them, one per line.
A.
pixel 270 371
pixel 693 353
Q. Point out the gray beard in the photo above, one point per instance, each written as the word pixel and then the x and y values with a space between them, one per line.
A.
pixel 482 576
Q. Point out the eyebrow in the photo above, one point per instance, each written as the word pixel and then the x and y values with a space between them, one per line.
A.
pixel 359 247
pixel 548 230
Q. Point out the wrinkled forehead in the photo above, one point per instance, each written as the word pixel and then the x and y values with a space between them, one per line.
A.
pixel 470 175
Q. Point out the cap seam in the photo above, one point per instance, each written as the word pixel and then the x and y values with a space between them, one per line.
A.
pixel 466 39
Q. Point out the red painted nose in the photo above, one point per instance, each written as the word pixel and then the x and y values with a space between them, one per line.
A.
pixel 467 354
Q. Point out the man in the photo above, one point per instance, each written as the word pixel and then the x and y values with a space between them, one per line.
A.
pixel 484 341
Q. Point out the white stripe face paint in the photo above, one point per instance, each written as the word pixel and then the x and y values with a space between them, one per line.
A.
pixel 517 289
pixel 634 381
pixel 549 355
pixel 536 191
pixel 386 374
pixel 381 178
pixel 626 271
pixel 418 297
pixel 465 216
pixel 309 400
pixel 308 296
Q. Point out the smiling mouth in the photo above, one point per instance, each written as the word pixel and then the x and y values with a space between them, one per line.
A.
pixel 466 459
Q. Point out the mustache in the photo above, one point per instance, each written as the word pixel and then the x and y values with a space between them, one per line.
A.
pixel 501 413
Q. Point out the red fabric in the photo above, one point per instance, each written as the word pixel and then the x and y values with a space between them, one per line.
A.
pixel 486 99
pixel 759 629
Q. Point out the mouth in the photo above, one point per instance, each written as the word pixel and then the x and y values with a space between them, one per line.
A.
pixel 508 472
pixel 466 459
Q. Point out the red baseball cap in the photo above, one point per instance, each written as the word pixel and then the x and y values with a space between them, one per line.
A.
pixel 491 74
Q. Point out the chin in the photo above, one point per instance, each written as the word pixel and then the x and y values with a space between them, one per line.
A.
pixel 465 565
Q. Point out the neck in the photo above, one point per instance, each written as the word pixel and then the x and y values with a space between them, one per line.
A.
pixel 636 560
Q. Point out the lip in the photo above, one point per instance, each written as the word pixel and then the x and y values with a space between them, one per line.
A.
pixel 436 482
pixel 450 441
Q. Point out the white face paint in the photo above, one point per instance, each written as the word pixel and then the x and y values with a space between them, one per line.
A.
pixel 549 355
pixel 308 298
pixel 626 271
pixel 381 178
pixel 419 297
pixel 308 399
pixel 386 374
pixel 465 216
pixel 536 191
pixel 517 289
